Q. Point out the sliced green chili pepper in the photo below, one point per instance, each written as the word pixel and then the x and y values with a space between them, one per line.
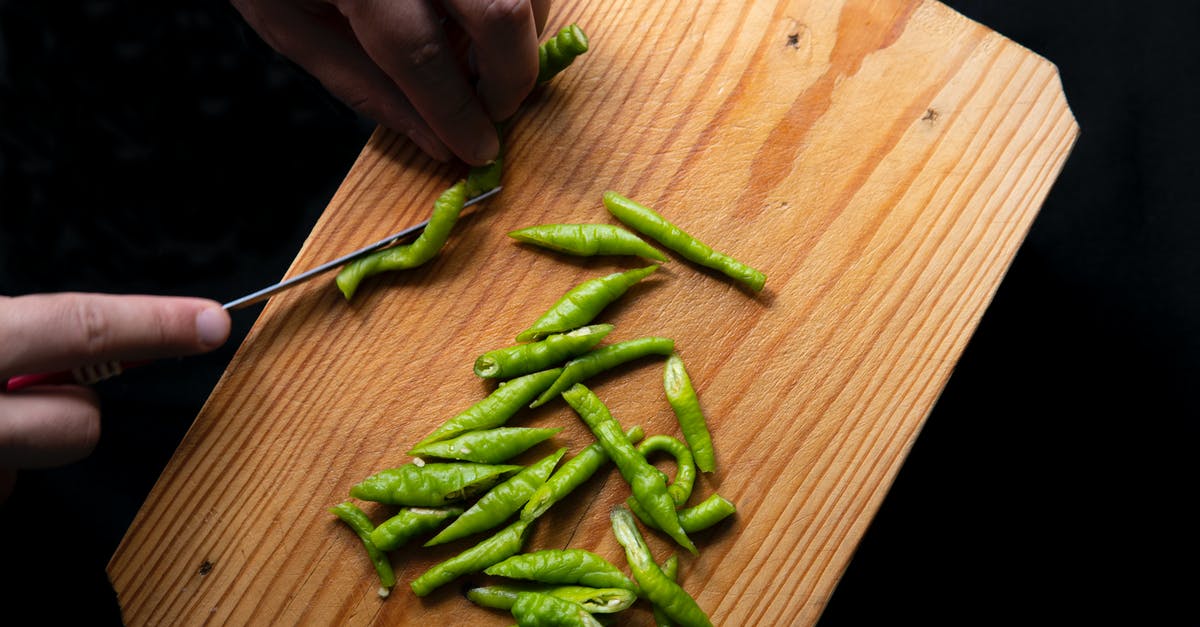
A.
pixel 604 358
pixel 583 302
pixel 649 223
pixel 512 361
pixel 556 53
pixel 587 240
pixel 445 214
pixel 409 523
pixel 670 569
pixel 484 178
pixel 594 600
pixel 674 601
pixel 682 397
pixel 430 485
pixel 495 409
pixel 500 502
pixel 358 521
pixel 571 475
pixel 534 609
pixel 488 446
pixel 709 512
pixel 506 542
pixel 685 468
pixel 563 566
pixel 648 485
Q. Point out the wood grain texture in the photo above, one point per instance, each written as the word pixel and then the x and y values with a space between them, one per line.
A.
pixel 879 161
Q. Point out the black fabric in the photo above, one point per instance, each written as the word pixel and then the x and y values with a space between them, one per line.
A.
pixel 162 148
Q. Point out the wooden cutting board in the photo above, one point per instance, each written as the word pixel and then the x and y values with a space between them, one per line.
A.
pixel 879 161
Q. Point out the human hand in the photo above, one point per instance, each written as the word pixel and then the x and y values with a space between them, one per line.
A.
pixel 394 62
pixel 51 425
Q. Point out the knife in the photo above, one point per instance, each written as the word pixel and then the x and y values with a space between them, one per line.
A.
pixel 94 373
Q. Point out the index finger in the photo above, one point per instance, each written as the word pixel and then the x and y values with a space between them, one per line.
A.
pixel 49 332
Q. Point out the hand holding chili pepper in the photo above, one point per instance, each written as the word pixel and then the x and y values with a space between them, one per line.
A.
pixel 395 62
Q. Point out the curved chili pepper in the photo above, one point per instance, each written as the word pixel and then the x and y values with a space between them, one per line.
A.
pixel 594 600
pixel 604 358
pixel 587 240
pixel 409 523
pixel 534 609
pixel 583 302
pixel 648 485
pixel 500 502
pixel 670 569
pixel 709 512
pixel 563 566
pixel 512 361
pixel 651 224
pixel 556 53
pixel 506 542
pixel 571 475
pixel 674 601
pixel 496 408
pixel 488 446
pixel 357 519
pixel 686 404
pixel 430 485
pixel 685 467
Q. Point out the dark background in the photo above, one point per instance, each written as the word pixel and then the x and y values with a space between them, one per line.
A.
pixel 166 149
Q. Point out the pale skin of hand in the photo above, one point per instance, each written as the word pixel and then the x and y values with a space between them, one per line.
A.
pixel 394 62
pixel 52 425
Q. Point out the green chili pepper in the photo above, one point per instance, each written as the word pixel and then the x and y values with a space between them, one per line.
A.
pixel 709 512
pixel 571 475
pixel 534 609
pixel 497 407
pixel 430 485
pixel 685 468
pixel 648 485
pixel 484 178
pixel 500 502
pixel 556 53
pixel 649 223
pixel 583 302
pixel 358 521
pixel 604 358
pixel 506 542
pixel 674 601
pixel 512 361
pixel 563 566
pixel 489 446
pixel 445 213
pixel 409 523
pixel 670 569
pixel 682 397
pixel 594 600
pixel 587 240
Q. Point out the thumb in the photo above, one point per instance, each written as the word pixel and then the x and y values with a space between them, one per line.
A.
pixel 44 332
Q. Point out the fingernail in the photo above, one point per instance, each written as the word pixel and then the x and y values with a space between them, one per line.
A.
pixel 487 149
pixel 212 327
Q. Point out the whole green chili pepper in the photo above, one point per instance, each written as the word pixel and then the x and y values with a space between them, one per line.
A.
pixel 506 542
pixel 682 397
pixel 604 358
pixel 445 213
pixel 583 302
pixel 512 361
pixel 685 468
pixel 571 475
pixel 670 569
pixel 709 512
pixel 587 240
pixel 674 601
pixel 409 523
pixel 534 609
pixel 488 446
pixel 430 485
pixel 358 521
pixel 500 502
pixel 594 600
pixel 563 566
pixel 649 223
pixel 495 409
pixel 648 485
pixel 556 53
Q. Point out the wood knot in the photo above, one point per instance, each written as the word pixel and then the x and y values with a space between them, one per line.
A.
pixel 793 40
pixel 931 115
pixel 205 568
